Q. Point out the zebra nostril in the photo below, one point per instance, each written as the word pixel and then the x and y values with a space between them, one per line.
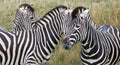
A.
pixel 66 47
pixel 66 40
pixel 62 33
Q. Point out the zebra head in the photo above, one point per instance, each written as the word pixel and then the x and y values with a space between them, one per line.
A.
pixel 57 18
pixel 65 20
pixel 25 15
pixel 77 27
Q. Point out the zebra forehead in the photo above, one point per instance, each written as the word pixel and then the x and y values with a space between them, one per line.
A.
pixel 67 12
pixel 26 7
pixel 84 13
pixel 22 9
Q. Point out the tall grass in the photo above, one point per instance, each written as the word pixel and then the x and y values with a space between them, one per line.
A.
pixel 102 11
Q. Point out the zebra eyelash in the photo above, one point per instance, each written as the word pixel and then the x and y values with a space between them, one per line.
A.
pixel 77 27
pixel 31 17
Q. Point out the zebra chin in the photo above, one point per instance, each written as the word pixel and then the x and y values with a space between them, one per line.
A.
pixel 67 44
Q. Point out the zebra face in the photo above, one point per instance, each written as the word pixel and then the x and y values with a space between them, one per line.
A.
pixel 70 40
pixel 66 17
pixel 77 28
pixel 25 15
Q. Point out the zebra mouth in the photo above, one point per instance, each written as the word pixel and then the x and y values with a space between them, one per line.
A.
pixel 66 44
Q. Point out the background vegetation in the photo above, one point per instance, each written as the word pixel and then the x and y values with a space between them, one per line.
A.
pixel 102 11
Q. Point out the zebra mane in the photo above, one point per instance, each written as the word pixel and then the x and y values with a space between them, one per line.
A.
pixel 56 8
pixel 25 6
pixel 77 11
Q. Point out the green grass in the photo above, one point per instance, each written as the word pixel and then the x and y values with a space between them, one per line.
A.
pixel 102 11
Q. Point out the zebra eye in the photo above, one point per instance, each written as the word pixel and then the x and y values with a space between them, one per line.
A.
pixel 81 17
pixel 63 14
pixel 77 27
pixel 31 17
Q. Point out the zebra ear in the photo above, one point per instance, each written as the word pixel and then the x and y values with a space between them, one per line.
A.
pixel 74 13
pixel 84 13
pixel 31 4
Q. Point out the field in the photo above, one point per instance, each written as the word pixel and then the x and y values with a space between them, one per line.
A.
pixel 102 11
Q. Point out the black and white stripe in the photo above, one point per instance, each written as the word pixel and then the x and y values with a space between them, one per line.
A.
pixel 99 46
pixel 33 46
pixel 16 49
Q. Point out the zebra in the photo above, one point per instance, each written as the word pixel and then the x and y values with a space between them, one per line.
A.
pixel 10 40
pixel 50 29
pixel 35 45
pixel 25 16
pixel 100 46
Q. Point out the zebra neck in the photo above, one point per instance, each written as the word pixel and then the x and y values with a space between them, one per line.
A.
pixel 47 37
pixel 89 41
pixel 47 40
pixel 49 31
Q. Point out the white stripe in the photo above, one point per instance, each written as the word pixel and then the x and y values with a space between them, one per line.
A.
pixel 20 47
pixel 14 50
pixel 3 58
pixel 2 44
pixel 8 49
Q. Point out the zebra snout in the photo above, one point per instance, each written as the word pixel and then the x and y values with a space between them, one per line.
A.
pixel 66 40
pixel 66 43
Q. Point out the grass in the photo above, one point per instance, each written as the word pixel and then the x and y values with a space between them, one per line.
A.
pixel 102 11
